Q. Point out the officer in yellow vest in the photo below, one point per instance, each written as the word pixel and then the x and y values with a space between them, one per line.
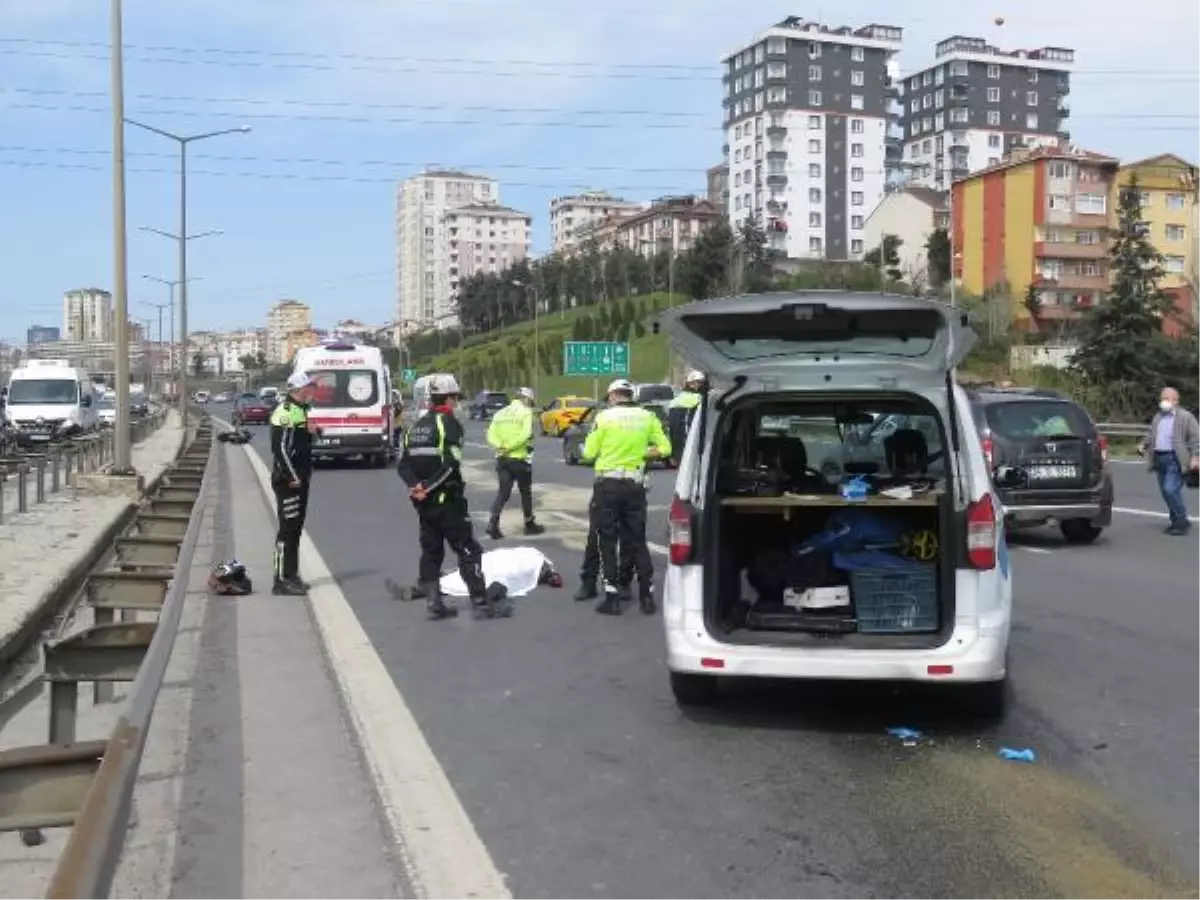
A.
pixel 430 466
pixel 291 471
pixel 682 410
pixel 510 435
pixel 626 436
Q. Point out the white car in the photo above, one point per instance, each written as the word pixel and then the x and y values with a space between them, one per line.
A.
pixel 106 412
pixel 774 572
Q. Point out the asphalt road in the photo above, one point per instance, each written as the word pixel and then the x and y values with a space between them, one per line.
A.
pixel 558 731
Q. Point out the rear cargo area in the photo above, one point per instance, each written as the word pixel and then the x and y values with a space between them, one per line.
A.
pixel 832 521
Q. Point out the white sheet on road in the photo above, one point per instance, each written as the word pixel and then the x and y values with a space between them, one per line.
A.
pixel 517 568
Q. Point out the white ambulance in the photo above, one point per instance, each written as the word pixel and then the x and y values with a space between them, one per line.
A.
pixel 352 400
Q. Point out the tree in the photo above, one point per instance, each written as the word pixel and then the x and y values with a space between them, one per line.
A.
pixel 753 274
pixel 1033 301
pixel 886 257
pixel 1122 351
pixel 248 362
pixel 703 271
pixel 937 248
pixel 198 365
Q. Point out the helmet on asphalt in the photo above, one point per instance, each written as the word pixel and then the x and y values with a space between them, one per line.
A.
pixel 622 385
pixel 443 385
pixel 229 579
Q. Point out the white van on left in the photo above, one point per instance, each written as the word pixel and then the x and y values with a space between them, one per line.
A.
pixel 48 400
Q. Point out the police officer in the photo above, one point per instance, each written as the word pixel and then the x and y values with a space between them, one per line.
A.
pixel 430 467
pixel 682 410
pixel 510 434
pixel 291 471
pixel 624 439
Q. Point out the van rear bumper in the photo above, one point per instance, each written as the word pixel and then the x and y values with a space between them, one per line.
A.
pixel 973 654
pixel 339 445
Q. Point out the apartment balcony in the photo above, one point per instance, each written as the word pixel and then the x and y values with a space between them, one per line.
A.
pixel 725 149
pixel 1070 250
pixel 777 207
pixel 779 155
pixel 776 179
pixel 891 88
pixel 1069 282
pixel 777 78
pixel 776 131
pixel 1064 111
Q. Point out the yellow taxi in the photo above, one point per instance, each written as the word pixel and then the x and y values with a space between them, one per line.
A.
pixel 563 412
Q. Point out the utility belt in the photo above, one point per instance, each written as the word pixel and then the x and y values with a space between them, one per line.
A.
pixel 638 475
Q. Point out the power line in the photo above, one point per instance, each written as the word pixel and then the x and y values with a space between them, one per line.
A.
pixel 347 179
pixel 349 104
pixel 360 120
pixel 511 68
pixel 298 160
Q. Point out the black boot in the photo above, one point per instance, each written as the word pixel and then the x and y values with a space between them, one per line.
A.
pixel 611 604
pixel 494 604
pixel 587 591
pixel 435 606
pixel 493 530
pixel 646 603
pixel 289 587
pixel 532 527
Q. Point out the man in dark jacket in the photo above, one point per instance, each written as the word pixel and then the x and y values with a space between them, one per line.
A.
pixel 430 466
pixel 291 471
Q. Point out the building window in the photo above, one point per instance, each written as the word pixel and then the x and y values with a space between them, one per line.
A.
pixel 1174 264
pixel 814 245
pixel 939 99
pixel 814 220
pixel 1061 170
pixel 856 222
pixel 856 198
pixel 1176 232
pixel 814 98
pixel 856 126
pixel 1031 121
pixel 1090 269
pixel 939 122
pixel 927 79
pixel 776 70
pixel 814 50
pixel 915 84
pixel 856 247
pixel 777 95
pixel 856 149
pixel 959 115
pixel 814 195
pixel 814 170
pixel 927 101
pixel 814 121
pixel 758 102
pixel 926 146
pixel 993 71
pixel 856 101
pixel 1091 204
pixel 776 45
pixel 1033 76
pixel 856 173
pixel 1087 237
pixel 760 78
pixel 994 141
pixel 814 73
pixel 1059 202
pixel 737 179
pixel 857 54
pixel 857 78
pixel 1176 201
pixel 914 105
pixel 993 95
pixel 993 118
pixel 1031 98
pixel 759 53
pixel 814 146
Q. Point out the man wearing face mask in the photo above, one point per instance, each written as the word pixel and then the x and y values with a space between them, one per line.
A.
pixel 1172 446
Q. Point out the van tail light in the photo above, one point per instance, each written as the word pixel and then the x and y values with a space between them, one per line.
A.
pixel 982 533
pixel 1103 449
pixel 680 521
pixel 987 452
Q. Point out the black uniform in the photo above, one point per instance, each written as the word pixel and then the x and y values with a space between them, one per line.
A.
pixel 589 572
pixel 291 472
pixel 432 450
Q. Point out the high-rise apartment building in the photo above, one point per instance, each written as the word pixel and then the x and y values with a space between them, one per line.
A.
pixel 42 334
pixel 717 179
pixel 572 216
pixel 480 237
pixel 807 111
pixel 421 203
pixel 88 315
pixel 977 103
pixel 285 318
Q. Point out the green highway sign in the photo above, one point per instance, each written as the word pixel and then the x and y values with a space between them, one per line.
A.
pixel 409 376
pixel 595 358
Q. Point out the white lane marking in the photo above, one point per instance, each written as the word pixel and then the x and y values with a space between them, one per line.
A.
pixel 1031 549
pixel 1153 514
pixel 583 522
pixel 445 855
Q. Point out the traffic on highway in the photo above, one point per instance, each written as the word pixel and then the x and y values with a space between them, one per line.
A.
pixel 586 765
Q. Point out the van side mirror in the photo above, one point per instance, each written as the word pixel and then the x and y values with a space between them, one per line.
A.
pixel 1009 477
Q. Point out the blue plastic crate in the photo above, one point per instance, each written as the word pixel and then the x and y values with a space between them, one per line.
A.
pixel 895 601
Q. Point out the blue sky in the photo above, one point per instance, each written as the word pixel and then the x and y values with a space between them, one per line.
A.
pixel 345 96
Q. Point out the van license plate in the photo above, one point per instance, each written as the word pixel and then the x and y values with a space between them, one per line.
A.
pixel 1052 473
pixel 329 442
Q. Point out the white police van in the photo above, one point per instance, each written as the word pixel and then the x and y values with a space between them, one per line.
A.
pixel 780 566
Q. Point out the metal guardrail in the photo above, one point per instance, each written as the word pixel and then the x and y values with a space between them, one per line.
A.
pixel 89 785
pixel 1117 429
pixel 49 472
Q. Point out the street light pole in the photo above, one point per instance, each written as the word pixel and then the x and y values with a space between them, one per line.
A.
pixel 122 437
pixel 171 285
pixel 182 237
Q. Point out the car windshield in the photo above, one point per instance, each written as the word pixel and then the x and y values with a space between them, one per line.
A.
pixel 649 392
pixel 1038 419
pixel 495 398
pixel 42 390
pixel 345 388
pixel 249 398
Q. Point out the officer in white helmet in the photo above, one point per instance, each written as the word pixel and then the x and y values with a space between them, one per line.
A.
pixel 682 410
pixel 510 435
pixel 430 466
pixel 625 438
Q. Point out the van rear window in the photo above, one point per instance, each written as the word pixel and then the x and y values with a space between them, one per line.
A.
pixel 345 388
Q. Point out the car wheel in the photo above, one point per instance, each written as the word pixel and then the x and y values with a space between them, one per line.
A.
pixel 694 690
pixel 1079 531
